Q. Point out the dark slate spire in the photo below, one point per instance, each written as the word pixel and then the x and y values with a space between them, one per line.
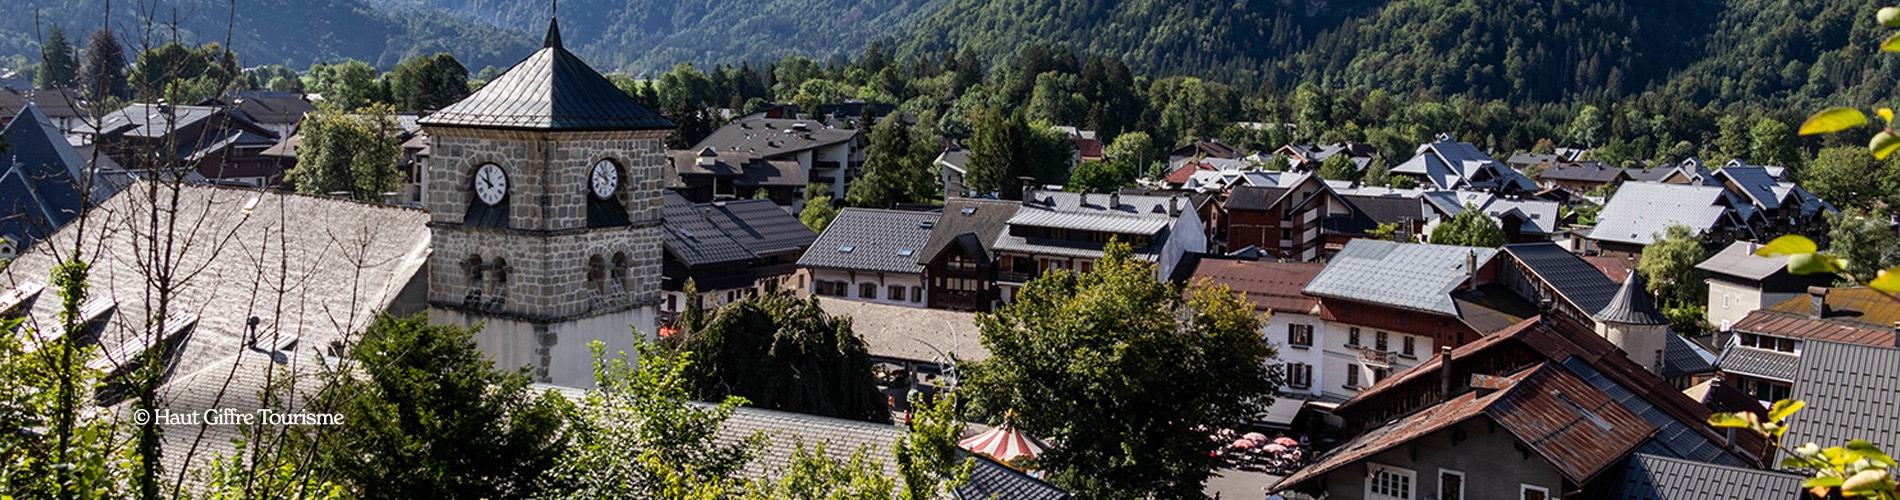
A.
pixel 554 34
pixel 1631 305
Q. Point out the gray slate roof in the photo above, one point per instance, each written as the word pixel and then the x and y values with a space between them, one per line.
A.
pixel 981 219
pixel 773 137
pixel 1651 477
pixel 760 226
pixel 40 179
pixel 995 481
pixel 1641 210
pixel 878 240
pixel 1755 182
pixel 787 430
pixel 1851 391
pixel 1631 305
pixel 55 103
pixel 550 90
pixel 1760 363
pixel 1739 260
pixel 1136 214
pixel 153 120
pixel 909 333
pixel 692 238
pixel 1574 278
pixel 1595 172
pixel 1408 276
pixel 1682 357
pixel 272 107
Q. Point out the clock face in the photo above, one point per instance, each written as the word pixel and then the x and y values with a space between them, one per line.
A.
pixel 605 179
pixel 491 184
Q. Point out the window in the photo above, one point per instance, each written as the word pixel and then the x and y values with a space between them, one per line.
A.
pixel 1352 377
pixel 1299 375
pixel 1726 298
pixel 1766 342
pixel 916 294
pixel 1379 374
pixel 1534 492
pixel 1299 335
pixel 896 293
pixel 1380 341
pixel 1352 336
pixel 1451 485
pixel 1087 266
pixel 867 290
pixel 1286 234
pixel 1389 483
pixel 1408 348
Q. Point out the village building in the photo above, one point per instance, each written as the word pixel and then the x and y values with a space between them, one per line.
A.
pixel 1761 353
pixel 1619 311
pixel 1582 177
pixel 730 250
pixel 870 255
pixel 960 261
pixel 708 175
pixel 826 155
pixel 1308 157
pixel 1642 211
pixel 1311 359
pixel 44 182
pixel 211 140
pixel 1741 282
pixel 1061 230
pixel 1295 221
pixel 65 109
pixel 1448 165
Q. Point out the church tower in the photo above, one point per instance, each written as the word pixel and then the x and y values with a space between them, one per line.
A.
pixel 544 209
pixel 1632 323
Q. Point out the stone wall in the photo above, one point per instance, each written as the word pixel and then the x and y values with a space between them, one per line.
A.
pixel 547 173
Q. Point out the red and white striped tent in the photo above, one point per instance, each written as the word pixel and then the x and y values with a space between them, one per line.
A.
pixel 1004 443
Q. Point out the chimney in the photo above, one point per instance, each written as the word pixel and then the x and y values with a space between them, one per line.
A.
pixel 1896 334
pixel 1084 196
pixel 1114 199
pixel 1444 373
pixel 1471 269
pixel 1817 302
pixel 1174 206
pixel 1029 189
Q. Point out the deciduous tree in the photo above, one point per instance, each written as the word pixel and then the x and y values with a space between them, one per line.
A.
pixel 348 153
pixel 783 353
pixel 1668 267
pixel 1470 228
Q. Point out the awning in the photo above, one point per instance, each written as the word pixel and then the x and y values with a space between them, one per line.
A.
pixel 1282 411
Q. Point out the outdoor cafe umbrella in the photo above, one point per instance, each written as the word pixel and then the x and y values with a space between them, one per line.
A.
pixel 1245 444
pixel 1286 441
pixel 1004 443
pixel 1274 448
pixel 1257 437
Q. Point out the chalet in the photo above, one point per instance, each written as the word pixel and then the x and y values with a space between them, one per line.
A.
pixel 278 112
pixel 1450 165
pixel 1084 145
pixel 953 166
pixel 870 255
pixel 731 250
pixel 1060 230
pixel 1286 221
pixel 1775 206
pixel 1308 157
pixel 1543 409
pixel 1522 160
pixel 826 155
pixel 1204 149
pixel 1642 211
pixel 1522 219
pixel 1306 352
pixel 1620 311
pixel 1582 177
pixel 1741 283
pixel 959 259
pixel 44 182
pixel 65 109
pixel 1392 304
pixel 1761 352
pixel 213 140
pixel 708 175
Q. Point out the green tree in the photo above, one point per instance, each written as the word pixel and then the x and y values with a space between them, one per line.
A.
pixel 993 152
pixel 51 444
pixel 818 212
pixel 1587 127
pixel 814 475
pixel 1378 173
pixel 177 73
pixel 896 167
pixel 1339 167
pixel 431 417
pixel 928 458
pixel 1120 370
pixel 1772 143
pixel 1668 267
pixel 348 153
pixel 1470 228
pixel 783 353
pixel 102 71
pixel 428 83
pixel 1137 149
pixel 640 435
pixel 1279 163
pixel 57 65
pixel 1866 243
pixel 348 85
pixel 274 77
pixel 1850 177
pixel 1544 147
pixel 1388 231
pixel 1404 182
pixel 1100 176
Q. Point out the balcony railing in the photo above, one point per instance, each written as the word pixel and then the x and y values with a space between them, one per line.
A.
pixel 1017 276
pixel 1375 357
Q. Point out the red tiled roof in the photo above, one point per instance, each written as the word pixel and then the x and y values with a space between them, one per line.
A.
pixel 1088 149
pixel 1615 268
pixel 1854 315
pixel 1270 285
pixel 1574 427
pixel 1181 175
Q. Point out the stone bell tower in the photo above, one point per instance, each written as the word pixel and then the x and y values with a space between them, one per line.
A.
pixel 544 203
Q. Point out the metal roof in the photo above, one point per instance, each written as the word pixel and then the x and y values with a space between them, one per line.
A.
pixel 550 90
pixel 1739 260
pixel 1677 436
pixel 40 177
pixel 760 226
pixel 1755 182
pixel 1405 275
pixel 1580 283
pixel 1759 363
pixel 1641 210
pixel 863 239
pixel 1631 305
pixel 1854 315
pixel 1255 197
pixel 980 218
pixel 1270 285
pixel 1682 357
pixel 1851 392
pixel 1135 214
pixel 1652 477
pixel 773 137
pixel 691 236
pixel 995 481
pixel 1595 172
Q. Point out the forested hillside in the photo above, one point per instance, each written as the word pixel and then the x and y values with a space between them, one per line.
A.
pixel 1701 51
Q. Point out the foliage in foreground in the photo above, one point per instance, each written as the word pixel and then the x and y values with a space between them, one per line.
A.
pixel 1120 370
pixel 784 353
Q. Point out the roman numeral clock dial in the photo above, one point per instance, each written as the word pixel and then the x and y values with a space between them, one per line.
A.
pixel 491 184
pixel 605 179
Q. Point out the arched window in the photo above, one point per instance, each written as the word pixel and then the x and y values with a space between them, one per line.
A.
pixel 501 270
pixel 597 273
pixel 620 274
pixel 473 268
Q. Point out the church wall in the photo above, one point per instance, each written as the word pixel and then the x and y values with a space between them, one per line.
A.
pixel 547 184
pixel 556 353
pixel 550 274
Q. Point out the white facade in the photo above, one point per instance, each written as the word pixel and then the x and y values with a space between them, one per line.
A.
pixel 1729 302
pixel 1282 331
pixel 1351 365
pixel 895 289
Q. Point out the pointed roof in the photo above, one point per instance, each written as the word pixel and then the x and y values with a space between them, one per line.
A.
pixel 1631 305
pixel 40 179
pixel 550 90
